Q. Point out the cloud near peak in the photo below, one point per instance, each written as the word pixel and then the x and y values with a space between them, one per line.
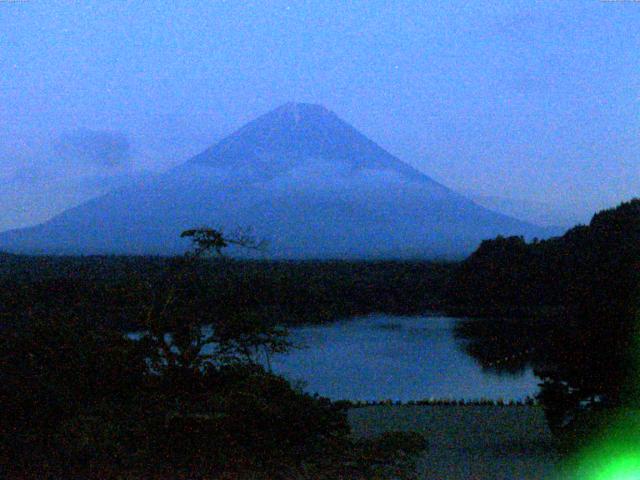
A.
pixel 94 147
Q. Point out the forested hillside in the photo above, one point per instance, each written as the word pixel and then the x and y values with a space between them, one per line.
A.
pixel 590 279
pixel 595 261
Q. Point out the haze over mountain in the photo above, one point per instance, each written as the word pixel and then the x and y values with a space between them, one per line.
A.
pixel 299 177
pixel 32 199
pixel 531 211
pixel 63 172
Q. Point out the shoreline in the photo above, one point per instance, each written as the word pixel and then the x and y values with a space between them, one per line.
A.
pixel 439 402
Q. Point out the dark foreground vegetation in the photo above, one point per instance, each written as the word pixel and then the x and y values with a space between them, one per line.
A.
pixel 79 399
pixel 586 351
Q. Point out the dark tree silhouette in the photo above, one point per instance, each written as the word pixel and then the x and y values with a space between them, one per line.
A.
pixel 585 353
pixel 80 400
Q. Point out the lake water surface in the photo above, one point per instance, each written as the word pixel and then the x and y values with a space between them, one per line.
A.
pixel 389 357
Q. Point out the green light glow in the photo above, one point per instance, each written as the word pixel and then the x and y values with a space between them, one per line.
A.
pixel 624 468
pixel 614 451
pixel 614 454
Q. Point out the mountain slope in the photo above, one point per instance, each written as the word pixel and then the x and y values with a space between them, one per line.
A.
pixel 538 213
pixel 307 182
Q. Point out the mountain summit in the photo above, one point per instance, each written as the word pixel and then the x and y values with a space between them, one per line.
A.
pixel 301 178
pixel 295 133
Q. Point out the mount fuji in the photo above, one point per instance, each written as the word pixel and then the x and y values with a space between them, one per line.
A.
pixel 299 177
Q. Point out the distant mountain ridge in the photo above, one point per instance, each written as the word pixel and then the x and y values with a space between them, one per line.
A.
pixel 303 179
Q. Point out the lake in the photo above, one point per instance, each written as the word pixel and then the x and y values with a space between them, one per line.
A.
pixel 382 356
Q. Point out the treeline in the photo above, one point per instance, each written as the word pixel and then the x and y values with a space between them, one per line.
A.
pixel 589 278
pixel 597 261
pixel 118 290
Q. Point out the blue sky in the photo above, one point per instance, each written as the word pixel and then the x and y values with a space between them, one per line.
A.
pixel 526 99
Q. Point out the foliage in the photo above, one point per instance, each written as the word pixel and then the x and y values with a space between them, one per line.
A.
pixel 77 399
pixel 173 330
pixel 588 354
pixel 58 380
pixel 81 400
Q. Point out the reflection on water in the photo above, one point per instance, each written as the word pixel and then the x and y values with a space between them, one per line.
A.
pixel 400 358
